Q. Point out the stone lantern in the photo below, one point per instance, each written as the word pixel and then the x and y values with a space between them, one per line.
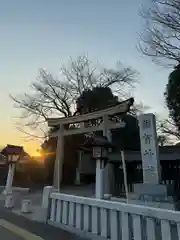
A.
pixel 100 147
pixel 11 161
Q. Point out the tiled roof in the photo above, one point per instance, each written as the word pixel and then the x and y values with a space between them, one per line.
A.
pixel 12 149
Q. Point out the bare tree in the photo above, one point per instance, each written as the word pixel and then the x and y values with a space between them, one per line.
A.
pixel 162 140
pixel 161 36
pixel 168 129
pixel 51 97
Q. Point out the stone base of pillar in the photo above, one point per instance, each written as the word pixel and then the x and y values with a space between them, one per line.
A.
pixel 107 196
pixel 5 192
pixel 154 195
pixel 78 178
pixel 154 190
pixel 77 183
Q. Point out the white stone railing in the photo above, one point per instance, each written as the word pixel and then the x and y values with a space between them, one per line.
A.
pixel 113 220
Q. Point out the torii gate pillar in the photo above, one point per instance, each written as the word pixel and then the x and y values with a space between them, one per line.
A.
pixel 58 167
pixel 108 170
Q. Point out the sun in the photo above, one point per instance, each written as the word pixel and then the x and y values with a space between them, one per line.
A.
pixel 37 154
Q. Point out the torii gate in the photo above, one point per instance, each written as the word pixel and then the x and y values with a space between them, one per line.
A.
pixel 105 126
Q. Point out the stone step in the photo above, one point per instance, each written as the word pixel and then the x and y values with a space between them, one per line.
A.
pixel 145 197
pixel 154 204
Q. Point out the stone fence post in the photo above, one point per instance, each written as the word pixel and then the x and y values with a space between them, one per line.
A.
pixel 45 206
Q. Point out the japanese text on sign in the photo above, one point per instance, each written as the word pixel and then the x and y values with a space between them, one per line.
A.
pixel 147 138
pixel 148 152
pixel 146 124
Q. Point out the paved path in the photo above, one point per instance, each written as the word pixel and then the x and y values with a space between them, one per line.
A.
pixel 8 235
pixel 14 227
pixel 36 196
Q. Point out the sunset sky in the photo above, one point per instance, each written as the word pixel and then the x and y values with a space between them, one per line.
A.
pixel 44 34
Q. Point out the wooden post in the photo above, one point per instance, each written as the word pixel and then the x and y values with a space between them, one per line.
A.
pixel 125 174
pixel 59 159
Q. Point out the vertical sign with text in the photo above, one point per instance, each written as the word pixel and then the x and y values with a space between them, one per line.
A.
pixel 149 149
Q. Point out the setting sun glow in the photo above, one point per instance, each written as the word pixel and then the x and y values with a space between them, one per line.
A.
pixel 37 154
